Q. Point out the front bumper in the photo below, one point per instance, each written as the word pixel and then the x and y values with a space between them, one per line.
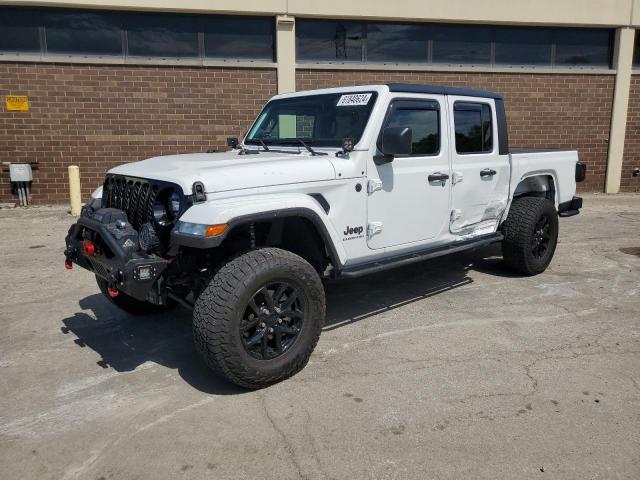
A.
pixel 126 268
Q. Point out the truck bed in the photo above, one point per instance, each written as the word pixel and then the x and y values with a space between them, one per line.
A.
pixel 560 165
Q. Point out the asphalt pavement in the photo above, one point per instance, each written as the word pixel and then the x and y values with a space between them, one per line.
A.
pixel 453 368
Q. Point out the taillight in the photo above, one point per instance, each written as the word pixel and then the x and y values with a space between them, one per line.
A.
pixel 88 248
pixel 581 171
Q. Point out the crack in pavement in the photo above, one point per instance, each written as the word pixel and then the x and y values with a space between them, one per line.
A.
pixel 288 446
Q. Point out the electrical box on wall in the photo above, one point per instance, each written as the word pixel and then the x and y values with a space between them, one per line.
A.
pixel 20 172
pixel 21 176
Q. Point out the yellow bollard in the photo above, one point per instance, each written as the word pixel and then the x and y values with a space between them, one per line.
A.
pixel 74 189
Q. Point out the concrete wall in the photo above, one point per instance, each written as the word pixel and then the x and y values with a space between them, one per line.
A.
pixel 566 12
pixel 629 183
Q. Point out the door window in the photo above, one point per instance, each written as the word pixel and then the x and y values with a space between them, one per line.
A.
pixel 474 129
pixel 424 122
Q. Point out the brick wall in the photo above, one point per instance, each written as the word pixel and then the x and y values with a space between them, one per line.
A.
pixel 99 116
pixel 631 159
pixel 543 111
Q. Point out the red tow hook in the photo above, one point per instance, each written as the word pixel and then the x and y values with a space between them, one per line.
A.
pixel 68 265
pixel 88 248
pixel 113 293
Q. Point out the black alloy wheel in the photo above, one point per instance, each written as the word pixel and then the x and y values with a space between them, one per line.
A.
pixel 541 237
pixel 272 320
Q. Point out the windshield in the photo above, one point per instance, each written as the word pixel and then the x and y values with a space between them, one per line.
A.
pixel 319 120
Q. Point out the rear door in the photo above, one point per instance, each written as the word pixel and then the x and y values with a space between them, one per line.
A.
pixel 409 197
pixel 480 175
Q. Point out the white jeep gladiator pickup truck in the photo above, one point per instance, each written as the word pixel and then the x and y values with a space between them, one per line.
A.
pixel 326 184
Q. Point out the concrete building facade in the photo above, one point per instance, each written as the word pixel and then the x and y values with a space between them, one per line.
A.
pixel 113 81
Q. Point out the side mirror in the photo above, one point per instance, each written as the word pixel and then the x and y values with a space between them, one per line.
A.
pixel 396 141
pixel 232 142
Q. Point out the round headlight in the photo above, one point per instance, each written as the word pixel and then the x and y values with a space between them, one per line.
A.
pixel 160 214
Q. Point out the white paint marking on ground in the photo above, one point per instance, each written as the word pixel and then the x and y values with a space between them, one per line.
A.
pixel 475 322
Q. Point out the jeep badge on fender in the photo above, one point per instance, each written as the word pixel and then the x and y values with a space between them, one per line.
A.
pixel 353 231
pixel 245 237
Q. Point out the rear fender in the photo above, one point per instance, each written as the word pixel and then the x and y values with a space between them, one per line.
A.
pixel 535 181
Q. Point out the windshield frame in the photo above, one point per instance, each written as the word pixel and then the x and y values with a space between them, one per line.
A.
pixel 315 143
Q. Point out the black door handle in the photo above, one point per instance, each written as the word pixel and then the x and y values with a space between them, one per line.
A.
pixel 487 172
pixel 438 177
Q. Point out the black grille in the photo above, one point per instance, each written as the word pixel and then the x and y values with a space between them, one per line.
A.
pixel 134 196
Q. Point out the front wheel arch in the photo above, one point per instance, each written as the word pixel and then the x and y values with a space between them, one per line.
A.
pixel 298 230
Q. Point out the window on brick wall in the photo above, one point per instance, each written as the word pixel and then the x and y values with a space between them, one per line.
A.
pixel 397 43
pixel 162 35
pixel 523 46
pixel 583 47
pixel 72 32
pixel 636 51
pixel 249 38
pixel 329 41
pixel 82 32
pixel 19 31
pixel 461 44
pixel 405 43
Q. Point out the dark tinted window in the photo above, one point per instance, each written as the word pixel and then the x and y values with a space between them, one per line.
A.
pixel 461 44
pixel 523 46
pixel 425 128
pixel 19 31
pixel 73 32
pixel 636 50
pixel 159 35
pixel 474 133
pixel 326 41
pixel 391 43
pixel 239 38
pixel 583 47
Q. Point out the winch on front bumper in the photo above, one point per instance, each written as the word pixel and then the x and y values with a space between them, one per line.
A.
pixel 105 243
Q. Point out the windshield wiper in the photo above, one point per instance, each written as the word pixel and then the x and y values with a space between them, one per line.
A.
pixel 264 145
pixel 311 150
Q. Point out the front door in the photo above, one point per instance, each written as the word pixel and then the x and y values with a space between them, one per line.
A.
pixel 408 198
pixel 480 175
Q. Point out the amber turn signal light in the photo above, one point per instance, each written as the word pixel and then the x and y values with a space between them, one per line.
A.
pixel 215 230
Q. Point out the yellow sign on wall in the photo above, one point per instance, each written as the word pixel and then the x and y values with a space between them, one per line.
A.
pixel 17 103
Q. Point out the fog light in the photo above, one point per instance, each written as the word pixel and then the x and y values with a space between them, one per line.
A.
pixel 144 272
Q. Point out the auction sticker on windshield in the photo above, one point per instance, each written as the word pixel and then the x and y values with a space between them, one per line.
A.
pixel 353 99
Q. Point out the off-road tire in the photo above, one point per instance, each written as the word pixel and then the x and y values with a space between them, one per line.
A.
pixel 519 235
pixel 127 303
pixel 219 309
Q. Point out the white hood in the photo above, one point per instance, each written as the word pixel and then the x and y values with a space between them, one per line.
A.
pixel 225 171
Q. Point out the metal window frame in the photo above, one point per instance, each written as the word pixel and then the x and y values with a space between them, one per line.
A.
pixel 125 57
pixel 458 106
pixel 491 65
pixel 409 103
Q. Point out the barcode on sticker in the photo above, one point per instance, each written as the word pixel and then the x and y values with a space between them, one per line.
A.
pixel 353 99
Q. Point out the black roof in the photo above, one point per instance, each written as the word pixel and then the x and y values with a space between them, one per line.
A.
pixel 441 90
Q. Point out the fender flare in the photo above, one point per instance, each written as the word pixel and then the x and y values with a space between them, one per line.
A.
pixel 549 173
pixel 180 239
